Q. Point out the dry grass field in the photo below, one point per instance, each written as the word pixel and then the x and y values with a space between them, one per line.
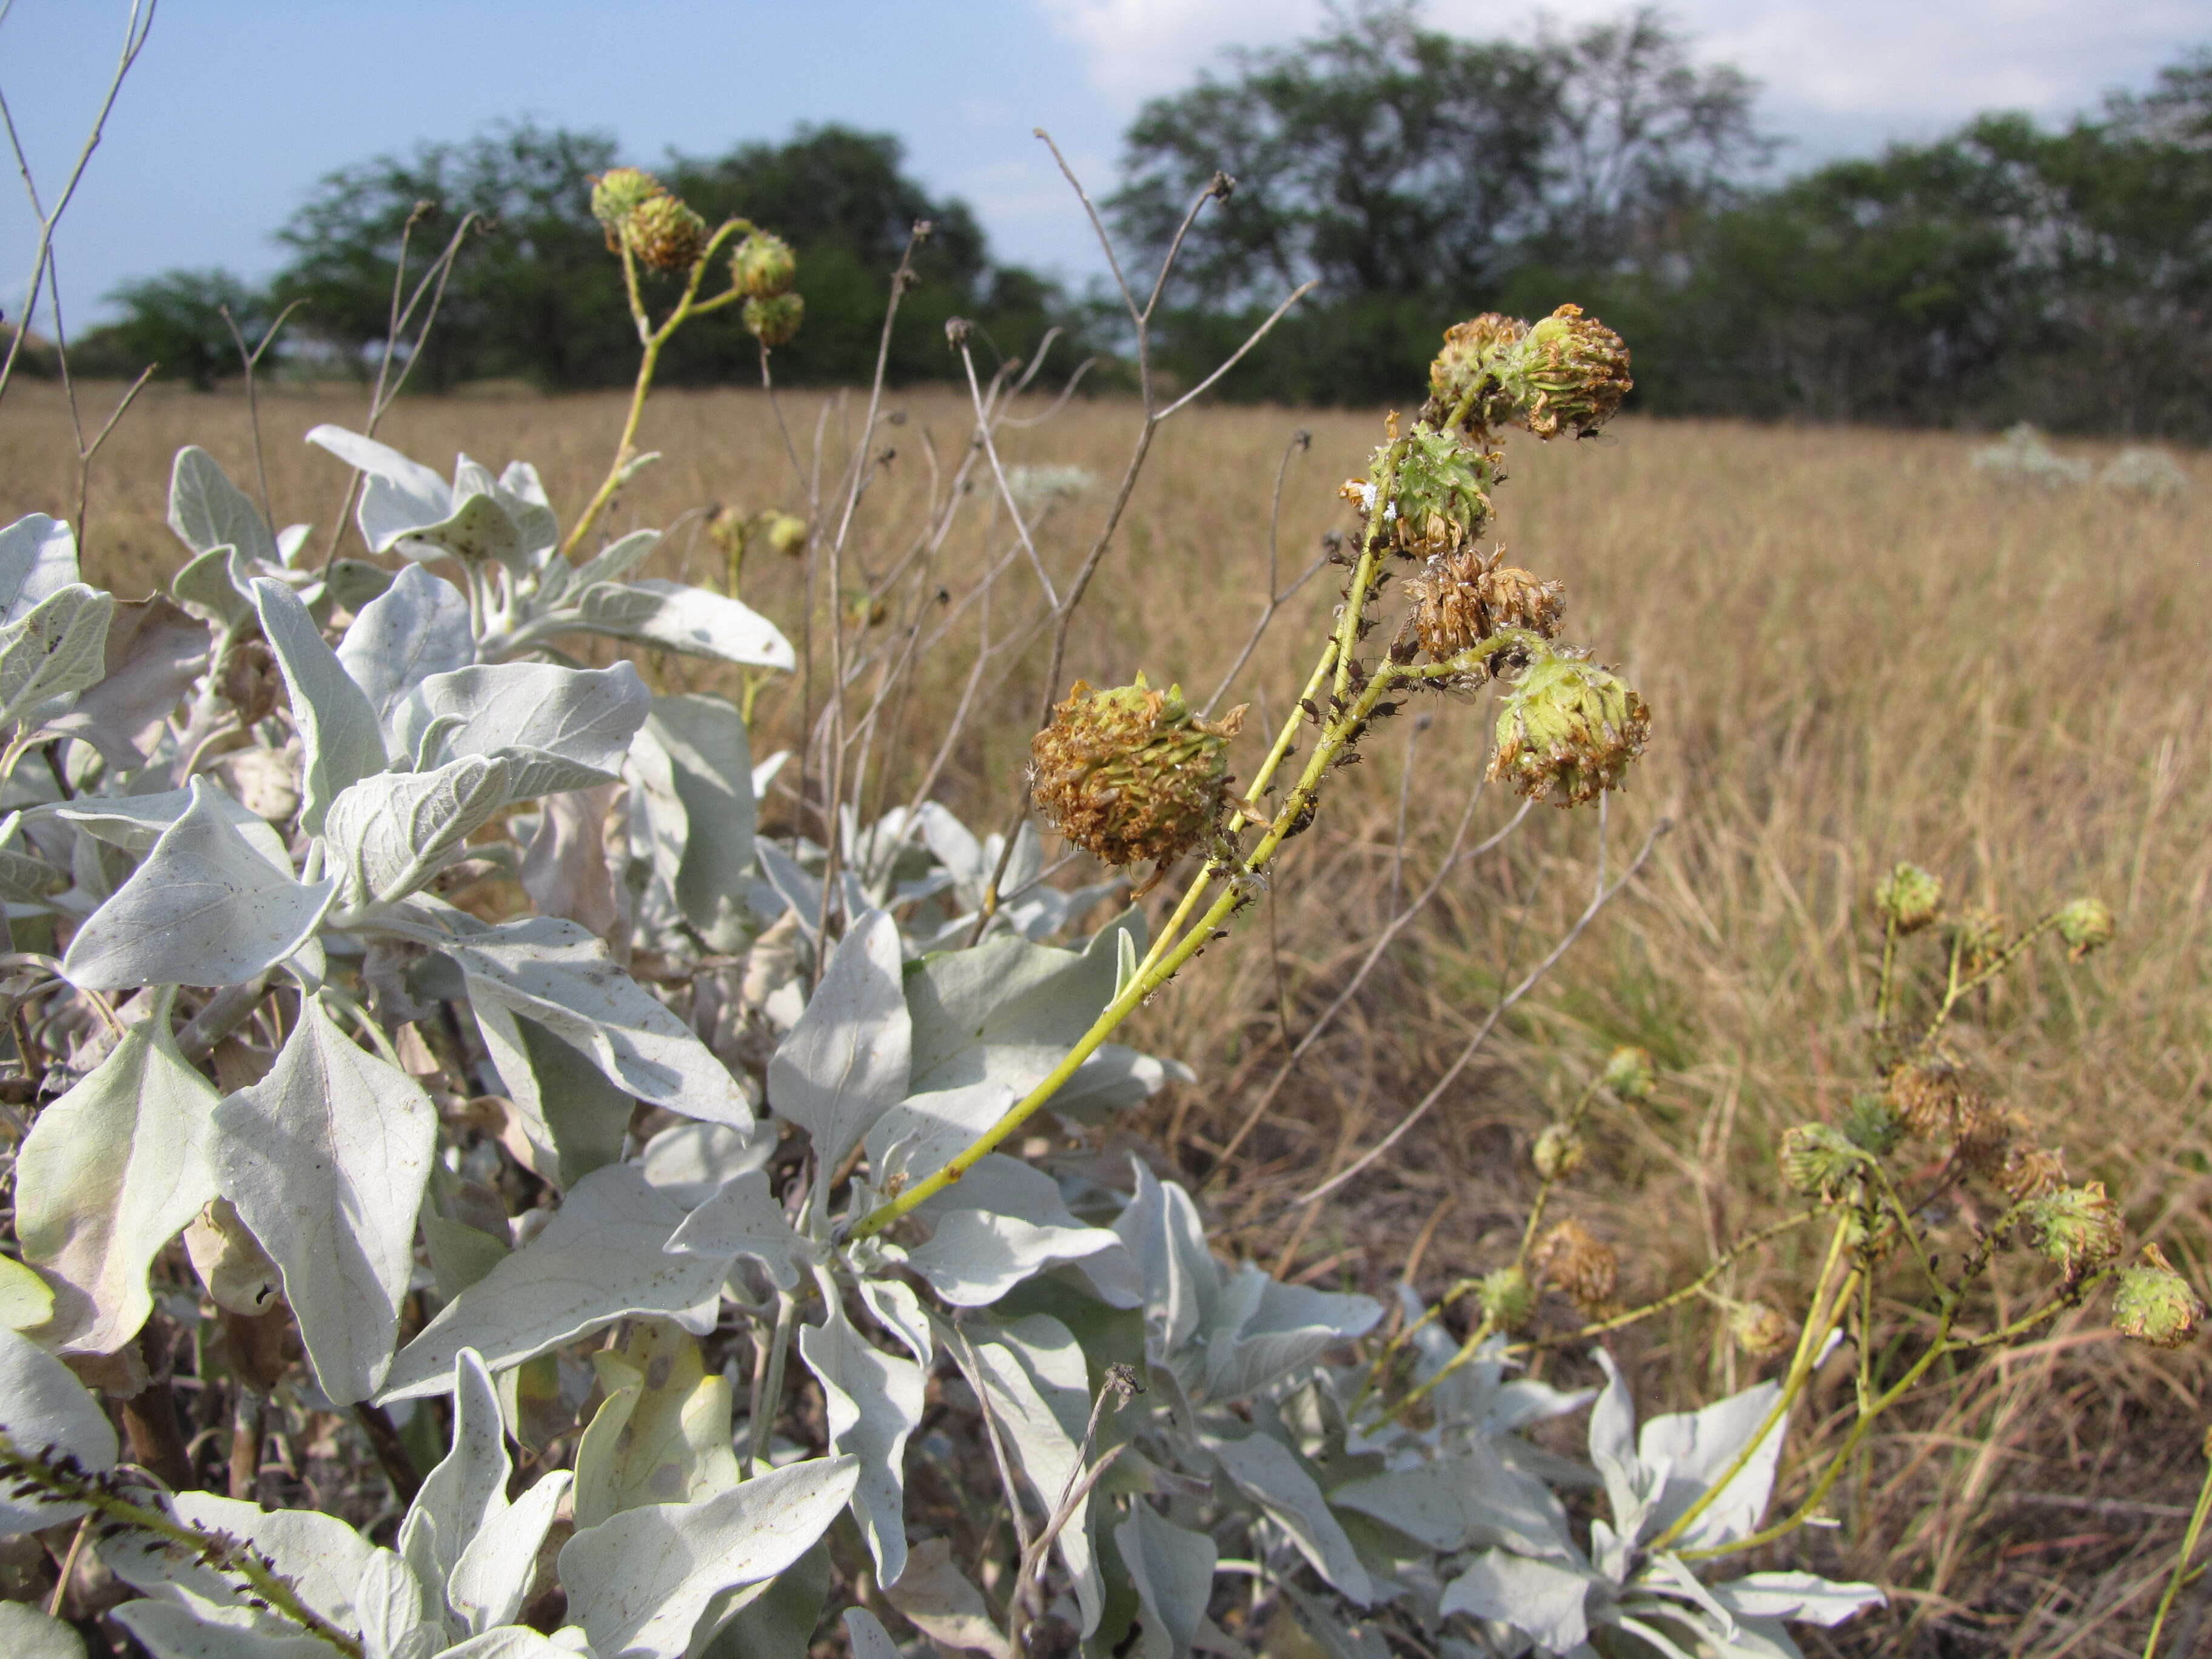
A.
pixel 1856 650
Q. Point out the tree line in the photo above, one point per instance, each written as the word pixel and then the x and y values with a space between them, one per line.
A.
pixel 2007 270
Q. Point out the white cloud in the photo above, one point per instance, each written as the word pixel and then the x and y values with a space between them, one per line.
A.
pixel 1914 64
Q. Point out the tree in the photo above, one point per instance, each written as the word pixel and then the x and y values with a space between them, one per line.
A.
pixel 536 295
pixel 1413 173
pixel 176 320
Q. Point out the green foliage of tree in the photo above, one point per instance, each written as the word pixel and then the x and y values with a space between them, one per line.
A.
pixel 176 319
pixel 1416 174
pixel 530 298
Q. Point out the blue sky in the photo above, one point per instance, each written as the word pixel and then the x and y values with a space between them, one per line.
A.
pixel 237 106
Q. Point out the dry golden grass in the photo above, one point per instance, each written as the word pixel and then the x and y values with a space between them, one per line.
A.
pixel 1856 650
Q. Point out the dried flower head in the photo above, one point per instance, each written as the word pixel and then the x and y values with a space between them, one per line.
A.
pixel 1573 1261
pixel 1909 897
pixel 1935 1100
pixel 774 322
pixel 1572 371
pixel 2086 925
pixel 2076 1228
pixel 2031 1171
pixel 763 265
pixel 1568 730
pixel 1130 773
pixel 1558 1152
pixel 1440 499
pixel 1818 1160
pixel 617 193
pixel 665 233
pixel 1508 1300
pixel 1464 597
pixel 1631 1074
pixel 1759 1330
pixel 1467 382
pixel 2155 1305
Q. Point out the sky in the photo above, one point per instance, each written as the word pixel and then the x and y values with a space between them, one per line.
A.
pixel 236 107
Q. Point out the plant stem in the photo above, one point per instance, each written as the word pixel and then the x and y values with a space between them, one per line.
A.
pixel 2181 1563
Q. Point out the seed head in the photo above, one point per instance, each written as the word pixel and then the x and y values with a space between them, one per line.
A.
pixel 2076 1228
pixel 2086 925
pixel 1871 1124
pixel 1571 371
pixel 786 534
pixel 2155 1305
pixel 617 193
pixel 1630 1073
pixel 1130 773
pixel 1935 1100
pixel 1464 597
pixel 1817 1160
pixel 728 530
pixel 1909 897
pixel 2031 1172
pixel 1759 1330
pixel 1568 730
pixel 665 233
pixel 1467 379
pixel 1558 1152
pixel 1981 934
pixel 1572 1260
pixel 1440 499
pixel 763 265
pixel 774 322
pixel 1507 1298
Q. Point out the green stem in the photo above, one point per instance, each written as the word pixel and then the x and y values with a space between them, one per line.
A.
pixel 2181 1563
pixel 223 1554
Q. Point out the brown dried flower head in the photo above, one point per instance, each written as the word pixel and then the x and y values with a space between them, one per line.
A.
pixel 1937 1100
pixel 1467 382
pixel 665 233
pixel 2031 1171
pixel 1573 1261
pixel 1568 730
pixel 1462 599
pixel 1130 773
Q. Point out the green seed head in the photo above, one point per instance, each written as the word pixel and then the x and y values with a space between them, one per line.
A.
pixel 786 534
pixel 1568 730
pixel 1871 1124
pixel 1817 1160
pixel 1130 773
pixel 2086 925
pixel 775 321
pixel 617 193
pixel 2155 1305
pixel 1570 371
pixel 2076 1228
pixel 1630 1073
pixel 1440 500
pixel 1558 1152
pixel 1467 382
pixel 1759 1330
pixel 1507 1298
pixel 1909 897
pixel 763 265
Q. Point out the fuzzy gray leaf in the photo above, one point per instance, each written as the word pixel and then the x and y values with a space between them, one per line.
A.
pixel 1277 1479
pixel 1172 1569
pixel 1545 1601
pixel 391 833
pixel 845 1063
pixel 688 619
pixel 562 728
pixel 417 627
pixel 56 648
pixel 338 730
pixel 154 651
pixel 208 511
pixel 874 1402
pixel 43 1408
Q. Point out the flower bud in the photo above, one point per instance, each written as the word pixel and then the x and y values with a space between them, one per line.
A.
pixel 1570 371
pixel 1759 1330
pixel 1630 1073
pixel 1558 1152
pixel 1507 1298
pixel 1130 773
pixel 1570 1259
pixel 2086 925
pixel 1817 1160
pixel 1568 730
pixel 2076 1228
pixel 665 233
pixel 1909 897
pixel 2155 1305
pixel 617 193
pixel 786 534
pixel 763 265
pixel 1462 599
pixel 774 322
